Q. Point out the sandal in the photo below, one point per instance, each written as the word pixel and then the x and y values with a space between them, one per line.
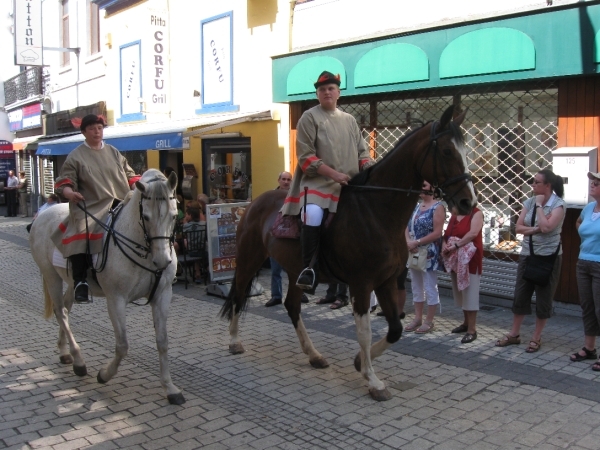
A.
pixel 425 328
pixel 508 340
pixel 413 325
pixel 468 338
pixel 325 300
pixel 596 366
pixel 339 303
pixel 589 354
pixel 533 346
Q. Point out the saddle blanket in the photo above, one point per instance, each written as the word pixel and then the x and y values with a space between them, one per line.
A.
pixel 58 260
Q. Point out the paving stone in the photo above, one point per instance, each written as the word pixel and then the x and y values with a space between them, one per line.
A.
pixel 445 395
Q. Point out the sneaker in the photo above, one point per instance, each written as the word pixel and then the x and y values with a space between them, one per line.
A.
pixel 81 293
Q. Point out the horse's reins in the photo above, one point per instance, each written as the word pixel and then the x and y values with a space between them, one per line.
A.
pixel 437 190
pixel 121 240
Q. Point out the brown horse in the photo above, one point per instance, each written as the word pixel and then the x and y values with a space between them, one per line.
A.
pixel 364 244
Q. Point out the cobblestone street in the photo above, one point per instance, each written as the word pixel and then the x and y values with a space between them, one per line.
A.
pixel 446 395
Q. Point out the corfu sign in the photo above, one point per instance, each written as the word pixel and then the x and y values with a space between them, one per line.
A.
pixel 28 32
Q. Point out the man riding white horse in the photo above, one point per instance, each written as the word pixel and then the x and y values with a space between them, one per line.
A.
pixel 330 150
pixel 95 174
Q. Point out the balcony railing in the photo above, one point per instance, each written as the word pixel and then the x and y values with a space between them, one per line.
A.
pixel 31 83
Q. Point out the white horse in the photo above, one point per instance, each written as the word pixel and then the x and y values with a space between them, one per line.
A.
pixel 143 254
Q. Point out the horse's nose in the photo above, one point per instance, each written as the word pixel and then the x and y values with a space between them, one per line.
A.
pixel 164 266
pixel 465 205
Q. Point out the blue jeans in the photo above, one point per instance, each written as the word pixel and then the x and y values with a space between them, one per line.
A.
pixel 276 289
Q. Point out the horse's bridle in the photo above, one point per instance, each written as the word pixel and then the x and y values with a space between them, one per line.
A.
pixel 121 240
pixel 436 190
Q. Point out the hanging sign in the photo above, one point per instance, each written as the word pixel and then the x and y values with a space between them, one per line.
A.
pixel 28 32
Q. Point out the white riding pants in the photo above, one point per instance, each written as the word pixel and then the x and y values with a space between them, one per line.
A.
pixel 424 286
pixel 314 215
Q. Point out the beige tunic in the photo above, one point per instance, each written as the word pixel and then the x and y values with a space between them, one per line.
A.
pixel 325 137
pixel 100 176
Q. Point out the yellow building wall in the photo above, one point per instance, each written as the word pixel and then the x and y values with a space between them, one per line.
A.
pixel 268 158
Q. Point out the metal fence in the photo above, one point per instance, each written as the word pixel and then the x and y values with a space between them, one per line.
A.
pixel 510 132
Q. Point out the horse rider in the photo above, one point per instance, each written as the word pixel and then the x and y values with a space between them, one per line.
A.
pixel 97 175
pixel 330 150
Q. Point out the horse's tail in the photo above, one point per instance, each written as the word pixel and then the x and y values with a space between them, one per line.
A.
pixel 227 311
pixel 48 310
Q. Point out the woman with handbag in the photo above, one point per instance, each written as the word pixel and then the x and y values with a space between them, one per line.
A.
pixel 464 248
pixel 588 273
pixel 540 223
pixel 424 241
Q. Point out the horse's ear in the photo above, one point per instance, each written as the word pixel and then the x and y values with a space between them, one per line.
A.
pixel 461 117
pixel 446 118
pixel 172 181
pixel 141 186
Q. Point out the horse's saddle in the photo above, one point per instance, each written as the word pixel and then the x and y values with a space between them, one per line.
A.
pixel 288 227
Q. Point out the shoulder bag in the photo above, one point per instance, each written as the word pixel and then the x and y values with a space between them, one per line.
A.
pixel 538 267
pixel 417 261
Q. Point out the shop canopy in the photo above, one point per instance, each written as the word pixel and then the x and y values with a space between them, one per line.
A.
pixel 148 136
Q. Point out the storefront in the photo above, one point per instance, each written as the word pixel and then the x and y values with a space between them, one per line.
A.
pixel 528 80
pixel 218 147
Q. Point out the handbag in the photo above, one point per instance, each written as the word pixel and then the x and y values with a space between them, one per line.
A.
pixel 538 267
pixel 417 261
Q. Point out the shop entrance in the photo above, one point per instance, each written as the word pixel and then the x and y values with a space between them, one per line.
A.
pixel 227 169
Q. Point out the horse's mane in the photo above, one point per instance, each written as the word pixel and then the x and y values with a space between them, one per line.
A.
pixel 361 178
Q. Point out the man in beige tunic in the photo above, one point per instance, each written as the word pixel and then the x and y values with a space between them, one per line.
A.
pixel 97 174
pixel 330 150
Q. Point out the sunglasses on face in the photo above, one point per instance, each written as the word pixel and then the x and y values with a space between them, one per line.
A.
pixel 595 183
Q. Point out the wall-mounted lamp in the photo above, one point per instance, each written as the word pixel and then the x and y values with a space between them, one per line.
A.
pixel 196 93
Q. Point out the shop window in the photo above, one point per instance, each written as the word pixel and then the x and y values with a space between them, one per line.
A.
pixel 227 176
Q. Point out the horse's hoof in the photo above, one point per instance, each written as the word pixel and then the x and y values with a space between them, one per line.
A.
pixel 381 395
pixel 66 359
pixel 357 363
pixel 319 363
pixel 236 349
pixel 100 380
pixel 176 399
pixel 80 371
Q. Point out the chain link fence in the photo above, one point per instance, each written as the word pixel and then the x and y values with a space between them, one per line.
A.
pixel 510 133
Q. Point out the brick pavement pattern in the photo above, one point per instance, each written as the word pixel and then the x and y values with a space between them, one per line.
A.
pixel 446 395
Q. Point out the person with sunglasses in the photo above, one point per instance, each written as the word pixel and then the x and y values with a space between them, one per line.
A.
pixel 588 273
pixel 549 208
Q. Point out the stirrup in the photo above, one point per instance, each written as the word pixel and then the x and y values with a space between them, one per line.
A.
pixel 83 295
pixel 307 272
